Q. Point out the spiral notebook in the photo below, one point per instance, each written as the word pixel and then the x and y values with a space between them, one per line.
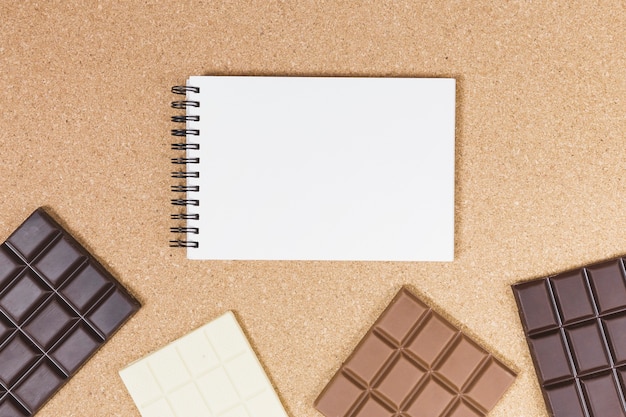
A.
pixel 314 168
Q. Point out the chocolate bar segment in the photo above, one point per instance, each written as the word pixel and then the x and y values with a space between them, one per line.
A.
pixel 565 400
pixel 575 326
pixel 552 362
pixel 58 305
pixel 414 363
pixel 573 297
pixel 9 265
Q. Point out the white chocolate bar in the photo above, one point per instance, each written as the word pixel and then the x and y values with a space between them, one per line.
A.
pixel 211 372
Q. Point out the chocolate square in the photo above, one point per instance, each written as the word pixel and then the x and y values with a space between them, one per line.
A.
pixel 58 305
pixel 414 363
pixel 580 359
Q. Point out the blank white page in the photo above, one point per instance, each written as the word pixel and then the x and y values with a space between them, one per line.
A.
pixel 315 168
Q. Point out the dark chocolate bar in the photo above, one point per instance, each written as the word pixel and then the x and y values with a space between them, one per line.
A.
pixel 58 305
pixel 414 363
pixel 575 326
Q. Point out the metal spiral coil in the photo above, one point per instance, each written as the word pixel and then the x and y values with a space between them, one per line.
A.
pixel 184 119
pixel 184 202
pixel 185 132
pixel 185 216
pixel 183 104
pixel 184 161
pixel 182 189
pixel 183 89
pixel 178 243
pixel 185 174
pixel 185 188
pixel 185 146
pixel 193 230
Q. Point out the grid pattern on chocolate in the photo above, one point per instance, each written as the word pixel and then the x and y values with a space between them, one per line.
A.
pixel 575 326
pixel 210 372
pixel 57 307
pixel 414 363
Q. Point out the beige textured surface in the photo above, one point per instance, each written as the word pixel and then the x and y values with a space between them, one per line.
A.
pixel 84 92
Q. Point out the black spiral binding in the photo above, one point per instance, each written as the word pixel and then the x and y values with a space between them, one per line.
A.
pixel 184 190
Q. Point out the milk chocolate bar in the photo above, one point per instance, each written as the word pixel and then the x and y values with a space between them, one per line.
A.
pixel 415 363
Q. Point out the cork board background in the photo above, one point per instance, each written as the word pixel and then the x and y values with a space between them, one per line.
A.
pixel 540 175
